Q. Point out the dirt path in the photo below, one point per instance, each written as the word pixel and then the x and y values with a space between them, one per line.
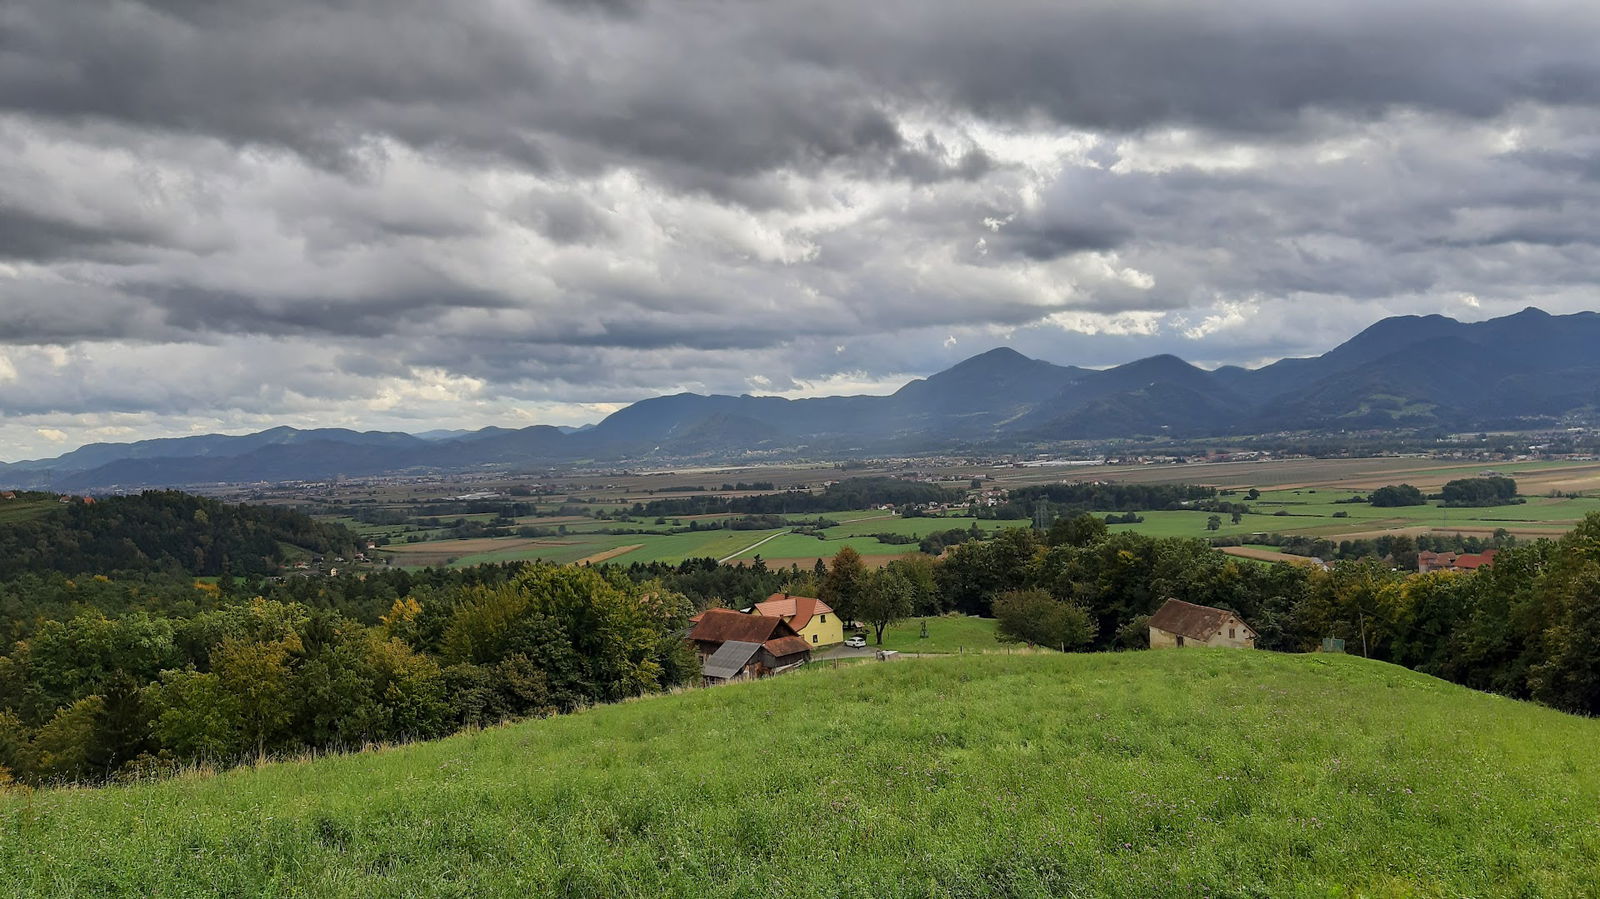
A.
pixel 611 553
pixel 1264 555
pixel 751 546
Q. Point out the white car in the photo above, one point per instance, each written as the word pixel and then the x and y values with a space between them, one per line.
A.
pixel 856 642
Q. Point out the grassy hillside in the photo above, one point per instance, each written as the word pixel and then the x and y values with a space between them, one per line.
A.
pixel 1178 773
pixel 27 506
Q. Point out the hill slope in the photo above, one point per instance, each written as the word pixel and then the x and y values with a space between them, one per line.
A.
pixel 1176 773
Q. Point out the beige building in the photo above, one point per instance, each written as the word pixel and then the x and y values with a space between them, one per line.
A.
pixel 1179 623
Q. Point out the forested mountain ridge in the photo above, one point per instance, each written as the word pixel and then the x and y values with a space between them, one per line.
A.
pixel 1427 372
pixel 162 531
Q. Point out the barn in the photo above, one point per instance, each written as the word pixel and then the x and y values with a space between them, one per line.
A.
pixel 733 646
pixel 1178 623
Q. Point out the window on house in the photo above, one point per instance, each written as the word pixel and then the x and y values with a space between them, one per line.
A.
pixel 1230 633
pixel 1180 639
pixel 813 638
pixel 824 619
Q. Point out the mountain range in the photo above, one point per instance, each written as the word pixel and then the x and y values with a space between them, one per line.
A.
pixel 1408 372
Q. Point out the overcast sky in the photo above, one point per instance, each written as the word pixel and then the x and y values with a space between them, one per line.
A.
pixel 224 215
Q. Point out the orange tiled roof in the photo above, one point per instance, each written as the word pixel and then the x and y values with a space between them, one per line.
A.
pixel 797 610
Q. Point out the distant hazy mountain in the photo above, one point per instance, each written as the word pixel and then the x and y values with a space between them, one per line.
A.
pixel 1426 372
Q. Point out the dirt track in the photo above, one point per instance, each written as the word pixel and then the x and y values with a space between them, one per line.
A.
pixel 1264 555
pixel 611 553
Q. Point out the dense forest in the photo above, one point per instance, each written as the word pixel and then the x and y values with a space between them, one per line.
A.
pixel 162 531
pixel 169 675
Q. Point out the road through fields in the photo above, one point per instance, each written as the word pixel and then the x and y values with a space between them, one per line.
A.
pixel 750 547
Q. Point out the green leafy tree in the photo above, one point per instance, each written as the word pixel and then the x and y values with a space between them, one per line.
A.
pixel 1568 677
pixel 845 584
pixel 1351 601
pixel 1489 491
pixel 60 751
pixel 889 597
pixel 258 677
pixel 1396 495
pixel 921 572
pixel 1036 618
pixel 1079 530
pixel 1214 522
pixel 194 716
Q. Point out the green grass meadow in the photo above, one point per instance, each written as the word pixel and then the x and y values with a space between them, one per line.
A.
pixel 15 510
pixel 1181 773
pixel 946 634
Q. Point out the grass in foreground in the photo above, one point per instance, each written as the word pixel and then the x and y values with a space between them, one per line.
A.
pixel 1200 772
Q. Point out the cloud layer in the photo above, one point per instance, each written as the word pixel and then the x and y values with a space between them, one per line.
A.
pixel 221 216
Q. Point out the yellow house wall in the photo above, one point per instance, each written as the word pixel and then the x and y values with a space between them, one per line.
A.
pixel 823 633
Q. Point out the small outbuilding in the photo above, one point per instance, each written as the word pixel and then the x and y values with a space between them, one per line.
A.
pixel 1178 623
pixel 738 660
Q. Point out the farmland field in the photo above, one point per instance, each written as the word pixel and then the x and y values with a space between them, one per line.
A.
pixel 1304 491
pixel 14 510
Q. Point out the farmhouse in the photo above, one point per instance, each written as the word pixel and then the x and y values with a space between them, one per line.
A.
pixel 1179 623
pixel 734 646
pixel 813 619
pixel 1431 561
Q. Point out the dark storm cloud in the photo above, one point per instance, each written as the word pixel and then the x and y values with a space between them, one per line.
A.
pixel 373 208
pixel 26 235
pixel 756 86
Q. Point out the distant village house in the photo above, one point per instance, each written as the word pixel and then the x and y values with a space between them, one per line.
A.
pixel 1178 623
pixel 1431 561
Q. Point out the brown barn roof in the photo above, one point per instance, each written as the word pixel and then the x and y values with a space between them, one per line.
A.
pixel 787 646
pixel 722 625
pixel 798 609
pixel 1190 620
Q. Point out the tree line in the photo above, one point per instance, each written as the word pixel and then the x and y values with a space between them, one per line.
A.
pixel 1059 500
pixel 215 679
pixel 1527 626
pixel 163 530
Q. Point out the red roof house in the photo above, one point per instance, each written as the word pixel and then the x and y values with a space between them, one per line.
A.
pixel 736 646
